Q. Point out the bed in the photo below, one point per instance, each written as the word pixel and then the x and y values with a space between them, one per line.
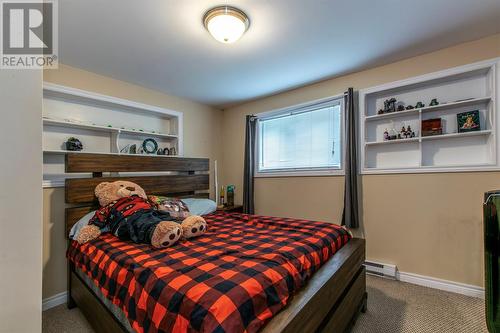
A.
pixel 310 274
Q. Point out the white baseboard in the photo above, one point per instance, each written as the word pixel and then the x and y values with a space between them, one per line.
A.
pixel 454 287
pixel 55 300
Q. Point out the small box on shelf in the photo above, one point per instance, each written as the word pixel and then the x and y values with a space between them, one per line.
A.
pixel 230 209
pixel 432 127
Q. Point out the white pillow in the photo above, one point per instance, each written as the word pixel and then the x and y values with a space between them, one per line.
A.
pixel 200 206
pixel 75 229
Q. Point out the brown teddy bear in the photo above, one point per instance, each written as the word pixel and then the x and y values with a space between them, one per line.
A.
pixel 127 213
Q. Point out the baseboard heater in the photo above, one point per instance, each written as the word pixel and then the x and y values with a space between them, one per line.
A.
pixel 379 269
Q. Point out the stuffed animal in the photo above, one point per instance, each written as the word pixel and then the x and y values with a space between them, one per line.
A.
pixel 127 213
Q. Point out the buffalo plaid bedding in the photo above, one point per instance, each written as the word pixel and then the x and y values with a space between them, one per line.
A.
pixel 234 278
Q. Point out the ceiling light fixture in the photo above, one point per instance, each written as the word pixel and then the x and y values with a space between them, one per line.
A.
pixel 226 24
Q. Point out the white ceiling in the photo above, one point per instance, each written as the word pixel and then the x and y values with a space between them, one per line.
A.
pixel 162 44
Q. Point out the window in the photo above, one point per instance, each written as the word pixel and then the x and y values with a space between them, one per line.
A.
pixel 301 140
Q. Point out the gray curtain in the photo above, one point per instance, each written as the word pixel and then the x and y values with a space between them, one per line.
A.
pixel 248 173
pixel 350 215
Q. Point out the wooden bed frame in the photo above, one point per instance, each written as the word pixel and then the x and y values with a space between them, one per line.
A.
pixel 330 302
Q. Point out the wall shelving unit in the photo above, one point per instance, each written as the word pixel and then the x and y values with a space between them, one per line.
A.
pixel 466 88
pixel 104 124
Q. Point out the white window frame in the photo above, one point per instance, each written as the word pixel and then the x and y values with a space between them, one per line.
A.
pixel 302 172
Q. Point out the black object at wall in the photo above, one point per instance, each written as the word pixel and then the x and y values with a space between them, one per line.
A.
pixel 492 259
pixel 248 172
pixel 350 215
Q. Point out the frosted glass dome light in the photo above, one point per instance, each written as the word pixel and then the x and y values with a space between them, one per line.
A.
pixel 226 24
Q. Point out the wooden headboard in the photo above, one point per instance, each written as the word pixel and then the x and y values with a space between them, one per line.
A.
pixel 189 179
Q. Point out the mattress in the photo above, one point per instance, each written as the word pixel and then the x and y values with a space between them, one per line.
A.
pixel 234 278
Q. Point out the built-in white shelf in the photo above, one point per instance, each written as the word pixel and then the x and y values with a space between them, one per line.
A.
pixel 63 152
pixel 461 89
pixel 439 107
pixel 457 104
pixel 392 114
pixel 110 129
pixel 456 135
pixel 104 125
pixel 430 137
pixel 391 142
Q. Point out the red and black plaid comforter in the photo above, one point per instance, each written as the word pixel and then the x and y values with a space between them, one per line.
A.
pixel 232 279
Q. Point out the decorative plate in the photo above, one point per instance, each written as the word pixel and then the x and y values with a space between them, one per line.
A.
pixel 150 146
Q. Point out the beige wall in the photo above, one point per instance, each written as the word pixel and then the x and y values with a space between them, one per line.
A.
pixel 202 138
pixel 21 201
pixel 433 229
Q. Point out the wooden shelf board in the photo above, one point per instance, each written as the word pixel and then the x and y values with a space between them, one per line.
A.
pixel 431 137
pixel 452 105
pixel 375 143
pixel 392 115
pixel 439 107
pixel 431 169
pixel 458 166
pixel 62 123
pixel 62 152
pixel 456 135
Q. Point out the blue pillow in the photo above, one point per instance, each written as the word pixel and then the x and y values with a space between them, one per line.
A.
pixel 200 206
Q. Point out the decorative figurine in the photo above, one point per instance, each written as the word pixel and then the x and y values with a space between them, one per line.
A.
pixel 125 149
pixel 73 144
pixel 434 102
pixel 419 105
pixel 410 107
pixel 410 133
pixel 386 135
pixel 393 135
pixel 390 105
pixel 403 132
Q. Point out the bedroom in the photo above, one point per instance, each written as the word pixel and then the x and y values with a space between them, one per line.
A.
pixel 128 73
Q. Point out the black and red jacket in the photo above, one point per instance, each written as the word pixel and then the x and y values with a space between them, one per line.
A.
pixel 127 208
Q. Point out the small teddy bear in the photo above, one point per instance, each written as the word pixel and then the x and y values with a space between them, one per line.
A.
pixel 127 213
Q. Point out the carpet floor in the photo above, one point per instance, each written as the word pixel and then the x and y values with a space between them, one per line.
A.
pixel 392 307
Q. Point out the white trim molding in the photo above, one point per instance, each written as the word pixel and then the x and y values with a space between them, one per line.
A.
pixel 55 300
pixel 53 183
pixel 454 287
pixel 296 109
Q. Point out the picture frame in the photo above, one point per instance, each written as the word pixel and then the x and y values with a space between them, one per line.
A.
pixel 468 121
